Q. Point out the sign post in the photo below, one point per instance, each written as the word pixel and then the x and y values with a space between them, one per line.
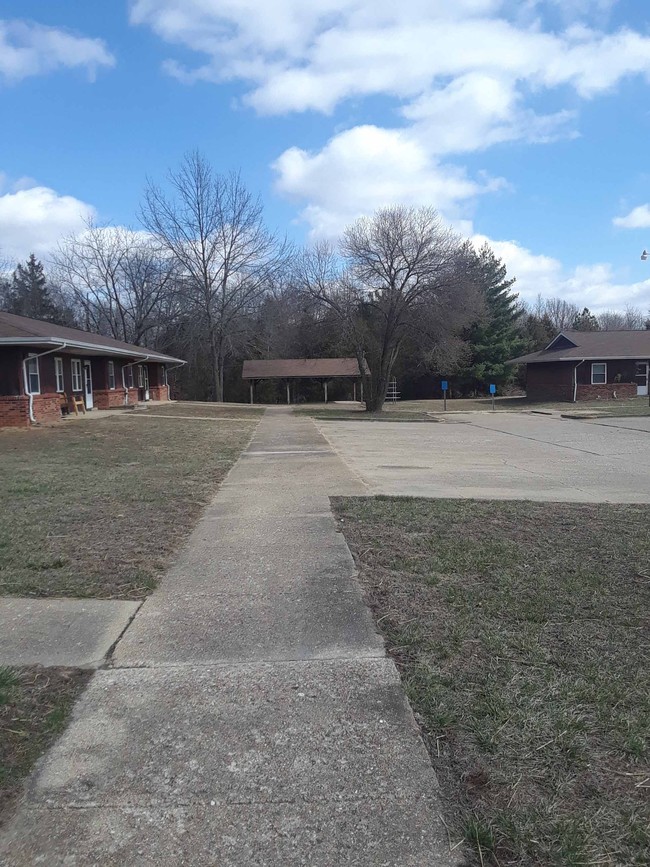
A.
pixel 493 391
pixel 445 386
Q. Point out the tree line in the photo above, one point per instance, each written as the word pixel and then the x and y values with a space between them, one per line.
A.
pixel 205 279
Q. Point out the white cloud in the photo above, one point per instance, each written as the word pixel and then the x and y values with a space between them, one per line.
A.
pixel 595 286
pixel 365 168
pixel 34 220
pixel 27 49
pixel 463 76
pixel 638 218
pixel 299 56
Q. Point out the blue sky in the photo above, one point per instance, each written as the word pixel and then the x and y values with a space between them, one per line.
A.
pixel 526 123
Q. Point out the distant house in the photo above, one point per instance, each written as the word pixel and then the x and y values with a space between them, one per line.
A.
pixel 587 365
pixel 43 366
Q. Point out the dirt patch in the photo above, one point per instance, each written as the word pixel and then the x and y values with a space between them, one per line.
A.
pixel 521 634
pixel 95 508
pixel 206 410
pixel 34 707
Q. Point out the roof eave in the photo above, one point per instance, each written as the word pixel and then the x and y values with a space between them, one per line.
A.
pixel 95 347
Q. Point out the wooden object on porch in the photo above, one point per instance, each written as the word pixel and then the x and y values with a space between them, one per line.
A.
pixel 78 404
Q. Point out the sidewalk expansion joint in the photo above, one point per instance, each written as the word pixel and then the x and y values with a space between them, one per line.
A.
pixel 234 663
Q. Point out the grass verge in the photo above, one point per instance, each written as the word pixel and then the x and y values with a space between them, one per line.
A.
pixel 521 633
pixel 419 410
pixel 93 508
pixel 34 706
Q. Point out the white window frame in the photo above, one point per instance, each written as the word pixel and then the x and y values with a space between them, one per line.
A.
pixel 140 375
pixel 58 374
pixel 77 374
pixel 28 384
pixel 111 375
pixel 602 364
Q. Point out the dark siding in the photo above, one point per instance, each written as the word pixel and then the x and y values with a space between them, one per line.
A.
pixel 626 369
pixel 11 370
pixel 552 381
pixel 561 342
pixel 99 370
pixel 46 371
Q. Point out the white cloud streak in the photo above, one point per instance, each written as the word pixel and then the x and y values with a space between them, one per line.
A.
pixel 638 218
pixel 463 76
pixel 28 49
pixel 34 220
pixel 595 286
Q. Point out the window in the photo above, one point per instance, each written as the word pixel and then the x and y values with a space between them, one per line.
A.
pixel 163 375
pixel 111 375
pixel 76 374
pixel 33 378
pixel 598 373
pixel 140 376
pixel 129 376
pixel 58 374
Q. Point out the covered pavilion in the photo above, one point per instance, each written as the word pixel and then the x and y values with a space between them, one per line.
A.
pixel 292 369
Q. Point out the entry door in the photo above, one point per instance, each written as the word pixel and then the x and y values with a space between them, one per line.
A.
pixel 145 381
pixel 642 377
pixel 88 385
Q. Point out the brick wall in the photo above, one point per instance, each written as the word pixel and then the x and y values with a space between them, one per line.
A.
pixel 14 411
pixel 113 398
pixel 158 392
pixel 47 408
pixel 623 391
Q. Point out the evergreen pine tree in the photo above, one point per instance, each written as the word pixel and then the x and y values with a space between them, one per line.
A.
pixel 496 337
pixel 29 294
pixel 585 321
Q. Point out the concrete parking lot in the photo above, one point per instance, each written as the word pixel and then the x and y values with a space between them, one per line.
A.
pixel 500 455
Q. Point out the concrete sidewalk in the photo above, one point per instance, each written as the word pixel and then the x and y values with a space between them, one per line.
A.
pixel 250 716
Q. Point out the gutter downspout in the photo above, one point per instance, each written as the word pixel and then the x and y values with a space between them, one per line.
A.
pixel 167 369
pixel 26 377
pixel 124 366
pixel 575 380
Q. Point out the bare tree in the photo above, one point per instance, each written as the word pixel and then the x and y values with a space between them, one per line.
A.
pixel 120 279
pixel 560 312
pixel 213 227
pixel 397 274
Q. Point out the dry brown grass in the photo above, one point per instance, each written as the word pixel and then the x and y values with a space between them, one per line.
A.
pixel 34 706
pixel 194 409
pixel 521 633
pixel 95 507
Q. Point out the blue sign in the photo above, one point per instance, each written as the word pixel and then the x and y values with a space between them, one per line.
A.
pixel 445 385
pixel 493 388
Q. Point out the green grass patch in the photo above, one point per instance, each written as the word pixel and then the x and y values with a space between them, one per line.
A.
pixel 521 633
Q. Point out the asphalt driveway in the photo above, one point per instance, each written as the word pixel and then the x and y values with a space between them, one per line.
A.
pixel 500 455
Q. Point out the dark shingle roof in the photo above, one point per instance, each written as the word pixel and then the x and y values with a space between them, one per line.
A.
pixel 595 345
pixel 300 368
pixel 19 330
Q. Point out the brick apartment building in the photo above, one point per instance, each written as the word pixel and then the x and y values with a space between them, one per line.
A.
pixel 44 366
pixel 588 365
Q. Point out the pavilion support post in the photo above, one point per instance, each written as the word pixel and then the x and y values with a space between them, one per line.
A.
pixel 354 391
pixel 252 392
pixel 325 387
pixel 361 383
pixel 288 392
